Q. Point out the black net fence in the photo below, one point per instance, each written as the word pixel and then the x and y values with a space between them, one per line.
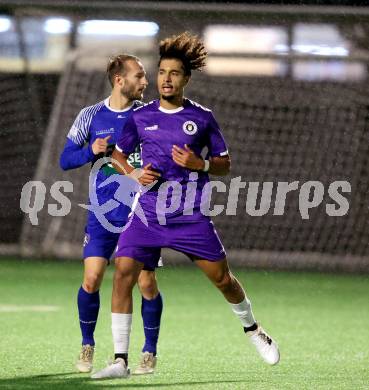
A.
pixel 283 130
pixel 312 136
pixel 22 127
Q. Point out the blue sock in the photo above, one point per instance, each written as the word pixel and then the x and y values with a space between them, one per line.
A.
pixel 151 314
pixel 88 309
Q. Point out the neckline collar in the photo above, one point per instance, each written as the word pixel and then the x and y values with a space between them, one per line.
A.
pixel 106 102
pixel 172 111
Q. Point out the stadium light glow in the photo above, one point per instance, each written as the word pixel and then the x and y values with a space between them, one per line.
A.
pixel 281 49
pixel 244 66
pixel 57 26
pixel 319 40
pixel 245 39
pixel 321 50
pixel 5 23
pixel 118 27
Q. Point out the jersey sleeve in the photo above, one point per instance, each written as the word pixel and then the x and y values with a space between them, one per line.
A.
pixel 129 138
pixel 216 143
pixel 79 132
pixel 74 154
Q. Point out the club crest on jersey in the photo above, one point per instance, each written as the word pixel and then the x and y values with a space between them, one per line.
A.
pixel 189 127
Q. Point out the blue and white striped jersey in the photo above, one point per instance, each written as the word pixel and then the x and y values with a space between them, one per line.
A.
pixel 98 121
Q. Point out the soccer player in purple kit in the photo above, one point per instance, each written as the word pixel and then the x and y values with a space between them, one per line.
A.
pixel 92 136
pixel 172 132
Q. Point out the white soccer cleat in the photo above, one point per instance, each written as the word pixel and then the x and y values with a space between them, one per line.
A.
pixel 265 345
pixel 147 364
pixel 84 363
pixel 117 369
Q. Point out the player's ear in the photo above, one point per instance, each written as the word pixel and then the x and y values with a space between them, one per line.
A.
pixel 187 79
pixel 118 79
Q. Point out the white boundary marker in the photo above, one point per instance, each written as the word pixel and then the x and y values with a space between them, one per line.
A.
pixel 24 308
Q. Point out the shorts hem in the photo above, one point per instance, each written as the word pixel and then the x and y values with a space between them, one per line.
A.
pixel 200 257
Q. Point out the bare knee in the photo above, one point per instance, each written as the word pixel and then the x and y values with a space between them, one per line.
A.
pixel 123 279
pixel 92 281
pixel 224 281
pixel 147 284
pixel 126 273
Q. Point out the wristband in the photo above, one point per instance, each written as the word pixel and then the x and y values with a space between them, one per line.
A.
pixel 206 166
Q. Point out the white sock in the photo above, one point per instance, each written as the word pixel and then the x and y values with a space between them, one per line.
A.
pixel 121 329
pixel 244 312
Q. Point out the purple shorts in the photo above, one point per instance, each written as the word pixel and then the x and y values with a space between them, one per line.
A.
pixel 143 243
pixel 98 242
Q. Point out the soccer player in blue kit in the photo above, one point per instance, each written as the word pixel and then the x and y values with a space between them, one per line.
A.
pixel 93 135
pixel 172 132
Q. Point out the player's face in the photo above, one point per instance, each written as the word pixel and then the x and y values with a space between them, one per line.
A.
pixel 134 81
pixel 171 79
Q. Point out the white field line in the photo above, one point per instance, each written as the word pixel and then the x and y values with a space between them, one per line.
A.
pixel 24 308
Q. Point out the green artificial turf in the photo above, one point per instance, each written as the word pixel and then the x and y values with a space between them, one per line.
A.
pixel 321 323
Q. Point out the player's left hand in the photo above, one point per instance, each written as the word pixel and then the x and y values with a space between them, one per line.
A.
pixel 187 158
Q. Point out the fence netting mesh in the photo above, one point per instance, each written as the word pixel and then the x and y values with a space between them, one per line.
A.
pixel 277 130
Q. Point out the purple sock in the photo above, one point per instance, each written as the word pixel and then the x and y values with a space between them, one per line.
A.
pixel 151 314
pixel 88 308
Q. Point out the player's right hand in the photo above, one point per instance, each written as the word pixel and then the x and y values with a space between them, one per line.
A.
pixel 100 145
pixel 145 175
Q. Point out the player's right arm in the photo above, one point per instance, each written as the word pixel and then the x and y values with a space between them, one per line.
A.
pixel 126 145
pixel 120 163
pixel 75 153
pixel 145 175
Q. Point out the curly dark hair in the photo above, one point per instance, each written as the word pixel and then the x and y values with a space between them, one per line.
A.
pixel 186 47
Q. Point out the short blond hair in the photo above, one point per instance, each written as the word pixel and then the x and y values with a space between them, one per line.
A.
pixel 117 65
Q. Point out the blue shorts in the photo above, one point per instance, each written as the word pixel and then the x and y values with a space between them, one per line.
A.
pixel 197 240
pixel 99 242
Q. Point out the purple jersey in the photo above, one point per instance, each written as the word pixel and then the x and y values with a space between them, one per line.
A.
pixel 157 130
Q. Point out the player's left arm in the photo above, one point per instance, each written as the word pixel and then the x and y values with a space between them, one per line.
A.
pixel 127 143
pixel 218 165
pixel 218 162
